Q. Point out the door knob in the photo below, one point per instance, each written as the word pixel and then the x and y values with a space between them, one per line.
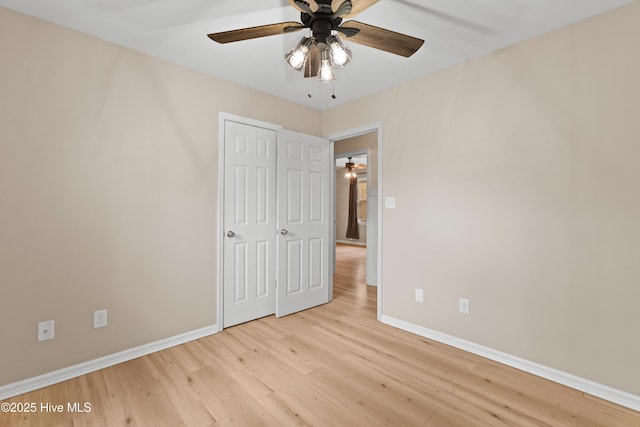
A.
pixel 283 231
pixel 230 233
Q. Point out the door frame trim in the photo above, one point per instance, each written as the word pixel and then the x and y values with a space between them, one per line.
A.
pixel 222 119
pixel 350 133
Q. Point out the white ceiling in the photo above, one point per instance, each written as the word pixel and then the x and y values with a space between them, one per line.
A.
pixel 175 30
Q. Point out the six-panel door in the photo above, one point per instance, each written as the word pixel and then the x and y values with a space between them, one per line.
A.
pixel 304 167
pixel 249 223
pixel 276 222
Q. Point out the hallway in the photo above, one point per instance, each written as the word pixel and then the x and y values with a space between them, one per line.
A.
pixel 349 280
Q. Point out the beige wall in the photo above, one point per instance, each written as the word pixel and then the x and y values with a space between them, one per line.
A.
pixel 516 176
pixel 108 186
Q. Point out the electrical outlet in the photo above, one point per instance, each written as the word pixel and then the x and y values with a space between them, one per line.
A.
pixel 419 295
pixel 390 202
pixel 99 319
pixel 463 306
pixel 45 330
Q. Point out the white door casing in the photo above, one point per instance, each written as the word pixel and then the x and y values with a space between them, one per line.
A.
pixel 372 238
pixel 305 164
pixel 249 222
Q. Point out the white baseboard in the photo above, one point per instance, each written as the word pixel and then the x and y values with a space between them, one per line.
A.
pixel 351 242
pixel 50 378
pixel 587 386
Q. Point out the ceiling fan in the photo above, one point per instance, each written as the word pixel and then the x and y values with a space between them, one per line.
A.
pixel 320 53
pixel 351 167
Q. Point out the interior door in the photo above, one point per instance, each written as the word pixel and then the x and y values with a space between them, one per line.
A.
pixel 305 164
pixel 249 250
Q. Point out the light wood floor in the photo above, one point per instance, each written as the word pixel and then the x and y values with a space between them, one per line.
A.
pixel 333 365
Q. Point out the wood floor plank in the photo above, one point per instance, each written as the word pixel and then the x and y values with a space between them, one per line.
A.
pixel 332 365
pixel 177 384
pixel 153 407
pixel 376 386
pixel 507 392
pixel 232 365
pixel 303 406
pixel 274 374
pixel 596 412
pixel 365 404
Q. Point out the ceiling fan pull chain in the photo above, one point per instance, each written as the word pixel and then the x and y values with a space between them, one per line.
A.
pixel 307 78
pixel 333 94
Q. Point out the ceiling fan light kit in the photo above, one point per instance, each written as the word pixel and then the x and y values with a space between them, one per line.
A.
pixel 323 51
pixel 340 54
pixel 297 57
pixel 332 53
pixel 325 73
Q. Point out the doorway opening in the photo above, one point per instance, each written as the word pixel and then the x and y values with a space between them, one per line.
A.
pixel 357 153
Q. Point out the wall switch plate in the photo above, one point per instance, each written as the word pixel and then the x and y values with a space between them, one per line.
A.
pixel 419 295
pixel 463 306
pixel 45 330
pixel 390 202
pixel 99 319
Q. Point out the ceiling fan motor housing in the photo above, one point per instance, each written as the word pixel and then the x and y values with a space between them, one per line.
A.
pixel 321 24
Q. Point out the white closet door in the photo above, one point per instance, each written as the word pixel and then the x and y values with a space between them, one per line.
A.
pixel 304 192
pixel 249 223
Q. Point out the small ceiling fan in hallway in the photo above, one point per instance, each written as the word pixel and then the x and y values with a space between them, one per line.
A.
pixel 352 167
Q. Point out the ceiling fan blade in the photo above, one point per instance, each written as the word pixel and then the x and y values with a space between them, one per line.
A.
pixel 306 6
pixel 349 32
pixel 383 39
pixel 255 32
pixel 357 6
pixel 344 9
